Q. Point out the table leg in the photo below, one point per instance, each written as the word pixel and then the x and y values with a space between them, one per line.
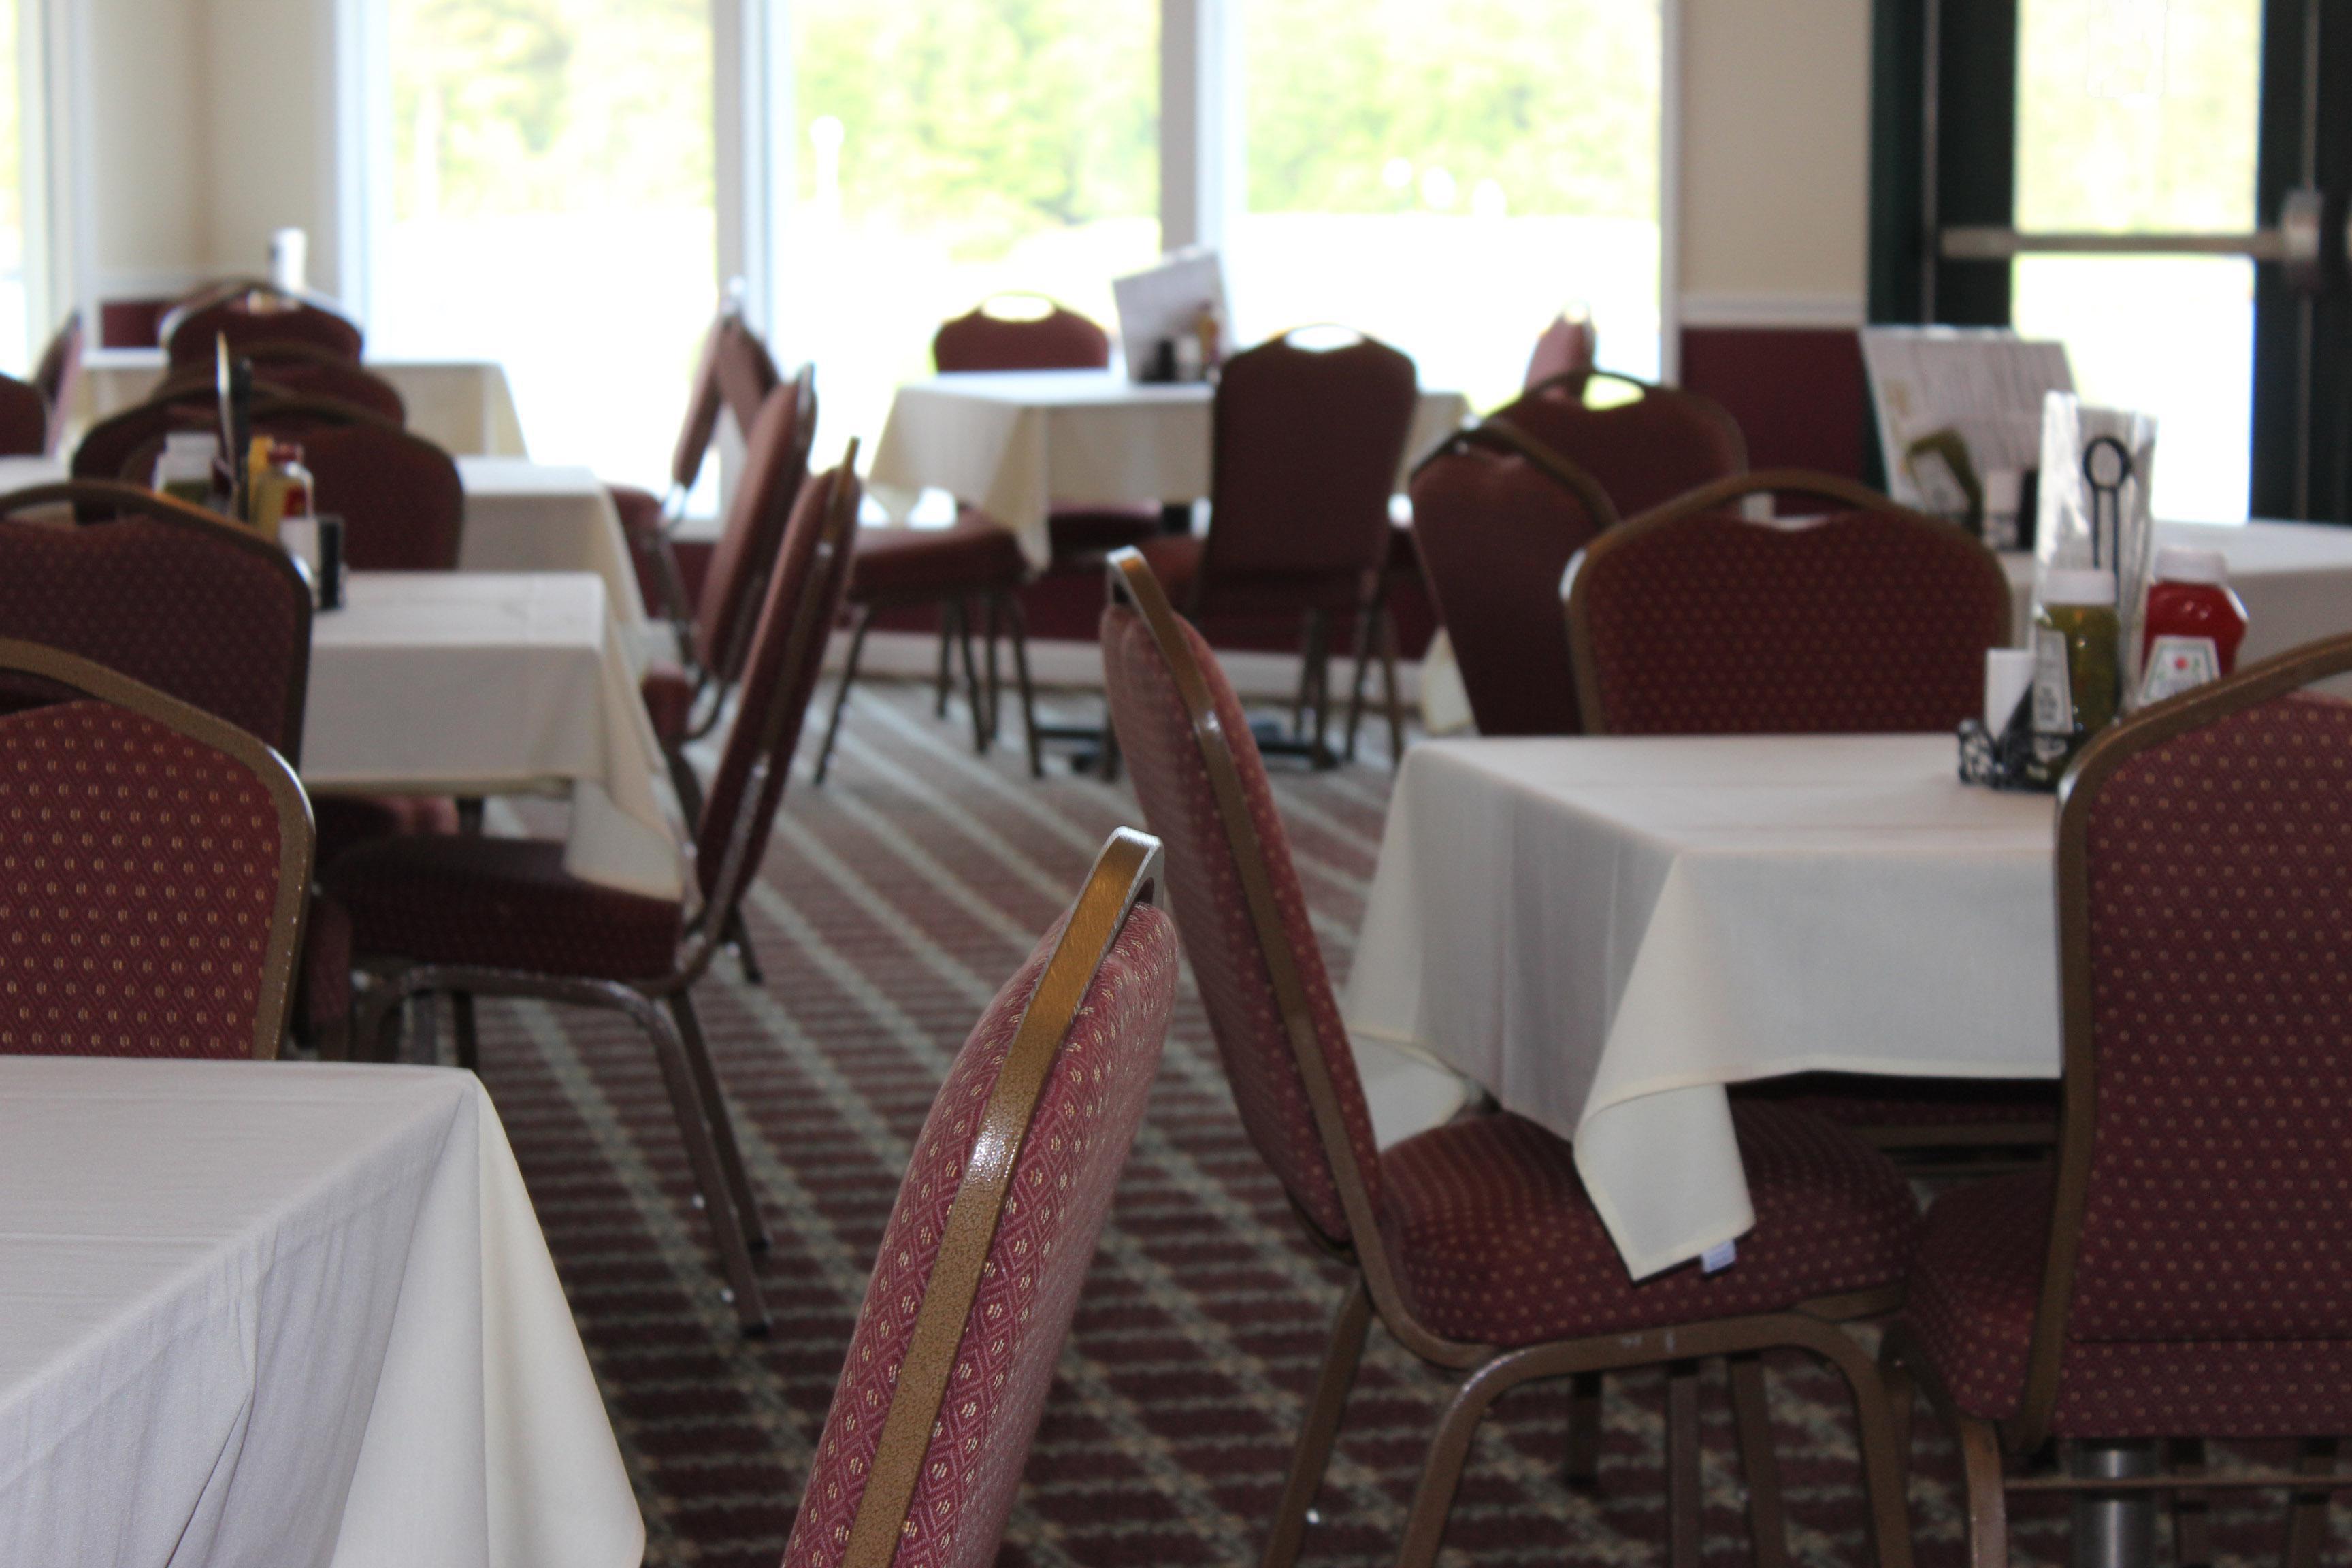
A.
pixel 2114 1530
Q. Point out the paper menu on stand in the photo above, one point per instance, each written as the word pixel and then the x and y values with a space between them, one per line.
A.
pixel 1984 382
pixel 1165 301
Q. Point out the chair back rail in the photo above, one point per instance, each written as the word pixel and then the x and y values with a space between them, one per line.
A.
pixel 1663 443
pixel 182 847
pixel 1060 339
pixel 777 438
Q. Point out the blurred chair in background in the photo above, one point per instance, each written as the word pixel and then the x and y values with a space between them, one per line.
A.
pixel 1497 517
pixel 1308 444
pixel 25 419
pixel 58 376
pixel 247 314
pixel 1644 451
pixel 296 370
pixel 1564 351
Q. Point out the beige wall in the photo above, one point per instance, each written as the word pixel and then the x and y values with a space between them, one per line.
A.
pixel 148 134
pixel 1774 164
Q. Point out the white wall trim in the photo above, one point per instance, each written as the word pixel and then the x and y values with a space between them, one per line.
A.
pixel 1670 191
pixel 1200 122
pixel 1820 311
pixel 355 124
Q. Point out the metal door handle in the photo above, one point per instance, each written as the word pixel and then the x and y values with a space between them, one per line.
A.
pixel 2295 244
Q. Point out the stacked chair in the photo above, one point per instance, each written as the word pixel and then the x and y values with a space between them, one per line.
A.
pixel 465 915
pixel 1308 444
pixel 1653 445
pixel 977 559
pixel 1695 619
pixel 1497 517
pixel 249 313
pixel 146 812
pixel 1475 1242
pixel 2180 1274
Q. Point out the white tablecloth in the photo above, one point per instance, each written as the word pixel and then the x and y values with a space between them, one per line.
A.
pixel 1604 931
pixel 463 406
pixel 1014 443
pixel 2295 578
pixel 496 683
pixel 262 1312
pixel 522 516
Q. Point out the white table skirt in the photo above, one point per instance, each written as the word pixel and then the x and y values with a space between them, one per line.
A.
pixel 1016 443
pixel 262 1312
pixel 496 683
pixel 1605 932
pixel 463 406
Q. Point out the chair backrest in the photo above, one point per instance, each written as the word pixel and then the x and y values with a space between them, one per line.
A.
pixel 300 370
pixel 167 594
pixel 252 316
pixel 1496 519
pixel 804 599
pixel 123 445
pixel 1060 339
pixel 1645 451
pixel 1696 620
pixel 58 376
pixel 1238 901
pixel 2204 845
pixel 747 373
pixel 1565 348
pixel 1308 444
pixel 156 868
pixel 988 1246
pixel 23 419
pixel 400 496
pixel 775 471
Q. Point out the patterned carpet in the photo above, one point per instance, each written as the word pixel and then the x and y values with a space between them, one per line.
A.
pixel 893 903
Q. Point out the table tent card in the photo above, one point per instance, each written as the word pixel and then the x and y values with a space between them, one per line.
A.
pixel 2099 468
pixel 1960 418
pixel 1163 304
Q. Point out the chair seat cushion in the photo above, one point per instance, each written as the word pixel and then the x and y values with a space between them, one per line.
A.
pixel 641 512
pixel 1081 532
pixel 668 693
pixel 1499 1244
pixel 499 903
pixel 1940 1110
pixel 934 562
pixel 1974 1287
pixel 1176 558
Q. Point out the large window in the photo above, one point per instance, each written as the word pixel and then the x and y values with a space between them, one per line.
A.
pixel 2141 115
pixel 547 202
pixel 1448 174
pixel 17 344
pixel 946 150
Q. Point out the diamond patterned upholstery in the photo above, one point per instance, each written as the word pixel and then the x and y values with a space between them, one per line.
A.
pixel 139 881
pixel 1498 1242
pixel 1061 1190
pixel 1205 891
pixel 1711 624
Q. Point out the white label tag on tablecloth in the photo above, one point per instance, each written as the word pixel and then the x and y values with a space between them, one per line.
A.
pixel 1719 1257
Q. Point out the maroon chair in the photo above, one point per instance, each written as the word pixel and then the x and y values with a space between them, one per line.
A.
pixel 734 372
pixel 1475 1242
pixel 23 419
pixel 685 702
pixel 1694 620
pixel 302 371
pixel 2183 1272
pixel 156 867
pixel 400 496
pixel 468 915
pixel 123 445
pixel 1645 450
pixel 250 316
pixel 980 1267
pixel 1307 442
pixel 58 376
pixel 1565 349
pixel 1497 517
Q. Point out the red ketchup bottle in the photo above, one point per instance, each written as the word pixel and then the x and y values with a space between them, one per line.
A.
pixel 2193 625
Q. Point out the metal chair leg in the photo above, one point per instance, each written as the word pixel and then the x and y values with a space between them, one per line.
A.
pixel 671 582
pixel 1752 1412
pixel 1433 1499
pixel 2192 1519
pixel 944 681
pixel 469 1045
pixel 1388 632
pixel 980 726
pixel 1017 623
pixel 735 934
pixel 1367 620
pixel 1320 1427
pixel 841 693
pixel 1584 1431
pixel 723 1124
pixel 992 609
pixel 2306 1513
pixel 687 784
pixel 694 1125
pixel 1681 1465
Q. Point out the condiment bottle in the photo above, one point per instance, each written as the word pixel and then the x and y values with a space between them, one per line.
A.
pixel 2076 687
pixel 2193 625
pixel 281 484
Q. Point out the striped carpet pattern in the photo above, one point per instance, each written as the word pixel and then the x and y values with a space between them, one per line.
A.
pixel 893 902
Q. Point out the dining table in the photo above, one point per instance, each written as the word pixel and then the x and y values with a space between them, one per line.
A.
pixel 1606 932
pixel 464 407
pixel 496 683
pixel 1017 442
pixel 286 1312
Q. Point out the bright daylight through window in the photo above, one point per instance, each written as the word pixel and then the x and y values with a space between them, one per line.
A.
pixel 1448 174
pixel 2140 115
pixel 549 205
pixel 947 149
pixel 18 345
